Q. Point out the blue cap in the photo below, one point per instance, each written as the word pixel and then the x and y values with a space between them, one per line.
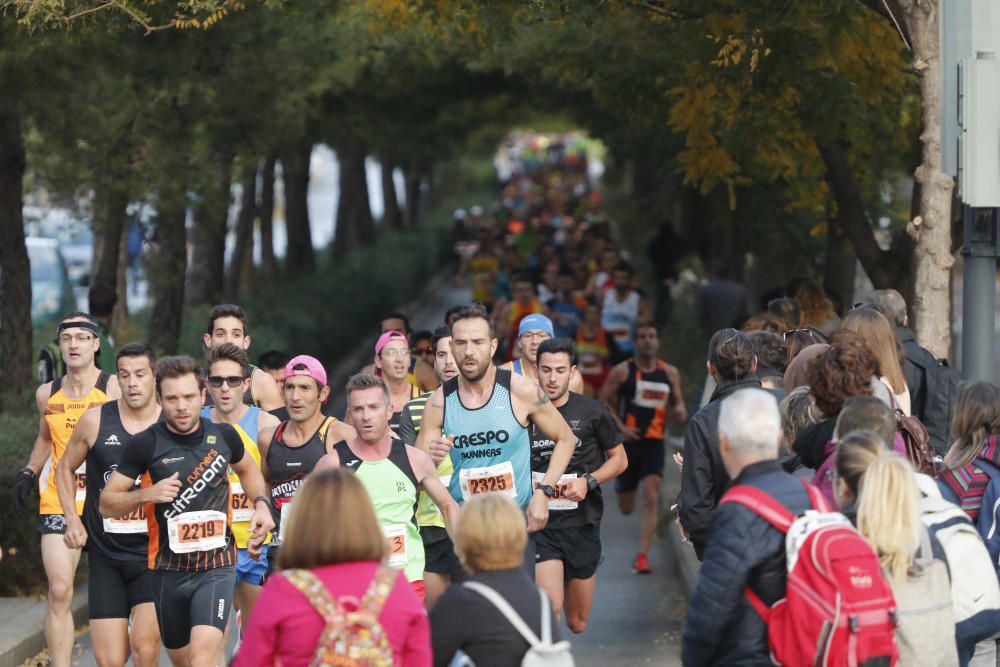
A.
pixel 535 322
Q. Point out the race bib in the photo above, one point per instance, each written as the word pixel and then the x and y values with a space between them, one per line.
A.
pixel 590 364
pixel 197 531
pixel 558 501
pixel 239 503
pixel 651 394
pixel 620 331
pixel 497 478
pixel 134 522
pixel 396 536
pixel 81 482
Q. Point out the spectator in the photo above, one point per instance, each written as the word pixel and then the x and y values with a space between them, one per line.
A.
pixel 767 322
pixel 795 374
pixel 786 309
pixel 844 370
pixel 932 385
pixel 721 302
pixel 876 489
pixel 733 366
pixel 772 360
pixel 273 363
pixel 817 309
pixel 490 538
pixel 797 340
pixel 880 336
pixel 797 414
pixel 743 550
pixel 972 476
pixel 345 557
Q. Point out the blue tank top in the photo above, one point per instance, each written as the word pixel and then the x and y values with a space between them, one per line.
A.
pixel 492 449
pixel 249 422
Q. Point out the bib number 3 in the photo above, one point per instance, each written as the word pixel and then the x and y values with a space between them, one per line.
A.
pixel 396 536
pixel 497 478
pixel 197 531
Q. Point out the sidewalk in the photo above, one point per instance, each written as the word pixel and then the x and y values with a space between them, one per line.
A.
pixel 22 625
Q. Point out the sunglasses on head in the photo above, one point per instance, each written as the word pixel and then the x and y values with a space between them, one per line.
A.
pixel 217 380
pixel 795 331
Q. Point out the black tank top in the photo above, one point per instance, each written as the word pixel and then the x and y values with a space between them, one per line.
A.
pixel 288 466
pixel 125 538
pixel 643 400
pixel 397 455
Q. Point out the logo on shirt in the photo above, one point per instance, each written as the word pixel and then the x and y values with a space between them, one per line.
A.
pixel 351 464
pixel 210 439
pixel 112 440
pixel 574 424
pixel 294 464
pixel 481 438
pixel 174 459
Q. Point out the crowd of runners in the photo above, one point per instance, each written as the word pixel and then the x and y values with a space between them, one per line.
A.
pixel 452 513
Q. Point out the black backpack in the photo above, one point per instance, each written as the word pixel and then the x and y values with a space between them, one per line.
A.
pixel 50 363
pixel 942 385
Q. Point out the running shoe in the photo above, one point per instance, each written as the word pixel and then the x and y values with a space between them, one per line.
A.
pixel 641 565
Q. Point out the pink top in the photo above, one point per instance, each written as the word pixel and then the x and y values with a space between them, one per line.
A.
pixel 284 626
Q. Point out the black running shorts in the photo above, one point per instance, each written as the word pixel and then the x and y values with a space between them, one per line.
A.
pixel 439 553
pixel 52 524
pixel 578 548
pixel 187 599
pixel 116 586
pixel 645 458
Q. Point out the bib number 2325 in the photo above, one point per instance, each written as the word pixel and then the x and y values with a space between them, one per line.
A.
pixel 497 478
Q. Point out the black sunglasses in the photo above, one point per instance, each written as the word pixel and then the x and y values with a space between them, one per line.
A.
pixel 217 380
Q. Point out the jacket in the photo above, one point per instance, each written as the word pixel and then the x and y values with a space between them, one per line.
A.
pixel 933 389
pixel 721 628
pixel 975 488
pixel 810 445
pixel 703 477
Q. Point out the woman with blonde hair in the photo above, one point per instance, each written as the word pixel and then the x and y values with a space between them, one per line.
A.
pixel 877 490
pixel 490 537
pixel 882 339
pixel 334 552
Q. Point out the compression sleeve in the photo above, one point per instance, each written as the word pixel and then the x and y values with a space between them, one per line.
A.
pixel 138 454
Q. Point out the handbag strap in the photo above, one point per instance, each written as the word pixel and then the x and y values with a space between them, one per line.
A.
pixel 512 616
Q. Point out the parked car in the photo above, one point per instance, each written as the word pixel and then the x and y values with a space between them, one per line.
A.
pixel 77 250
pixel 51 291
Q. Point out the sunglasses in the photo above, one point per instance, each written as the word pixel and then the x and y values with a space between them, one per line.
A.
pixel 423 350
pixel 232 380
pixel 785 335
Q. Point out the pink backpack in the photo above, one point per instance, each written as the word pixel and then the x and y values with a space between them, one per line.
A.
pixel 838 609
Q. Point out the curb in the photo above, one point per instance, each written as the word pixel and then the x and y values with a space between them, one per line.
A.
pixel 688 564
pixel 27 632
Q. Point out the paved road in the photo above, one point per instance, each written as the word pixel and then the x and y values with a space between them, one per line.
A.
pixel 636 620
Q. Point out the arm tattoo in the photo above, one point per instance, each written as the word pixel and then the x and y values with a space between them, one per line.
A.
pixel 543 398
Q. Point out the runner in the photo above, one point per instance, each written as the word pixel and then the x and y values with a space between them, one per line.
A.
pixel 419 373
pixel 226 383
pixel 61 403
pixel 508 314
pixel 392 359
pixel 392 472
pixel 644 393
pixel 535 329
pixel 227 323
pixel 568 549
pixel 485 412
pixel 119 580
pixel 273 363
pixel 182 462
pixel 441 565
pixel 596 350
pixel 622 308
pixel 290 451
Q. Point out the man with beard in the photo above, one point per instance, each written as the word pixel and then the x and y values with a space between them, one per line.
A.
pixel 568 549
pixel 119 579
pixel 192 554
pixel 480 419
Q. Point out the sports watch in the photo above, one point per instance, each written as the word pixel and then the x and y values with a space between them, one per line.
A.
pixel 547 489
pixel 592 482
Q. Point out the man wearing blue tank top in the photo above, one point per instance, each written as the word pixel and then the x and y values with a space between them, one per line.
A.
pixel 480 419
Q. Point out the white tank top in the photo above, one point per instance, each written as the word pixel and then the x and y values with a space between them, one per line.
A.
pixel 618 318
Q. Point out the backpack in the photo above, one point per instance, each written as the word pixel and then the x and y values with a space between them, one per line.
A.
pixel 838 608
pixel 939 393
pixel 915 437
pixel 925 628
pixel 352 634
pixel 50 363
pixel 975 593
pixel 541 652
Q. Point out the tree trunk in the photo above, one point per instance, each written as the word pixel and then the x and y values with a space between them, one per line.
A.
pixel 392 216
pixel 355 226
pixel 119 319
pixel 168 265
pixel 886 268
pixel 841 261
pixel 931 230
pixel 110 210
pixel 208 263
pixel 268 263
pixel 16 357
pixel 243 250
pixel 414 194
pixel 299 257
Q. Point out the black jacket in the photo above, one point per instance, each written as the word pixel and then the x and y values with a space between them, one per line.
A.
pixel 721 628
pixel 810 445
pixel 933 389
pixel 704 478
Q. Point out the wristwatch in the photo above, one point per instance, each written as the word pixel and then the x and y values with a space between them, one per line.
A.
pixel 547 489
pixel 592 482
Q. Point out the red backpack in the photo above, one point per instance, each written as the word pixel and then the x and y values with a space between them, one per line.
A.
pixel 838 609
